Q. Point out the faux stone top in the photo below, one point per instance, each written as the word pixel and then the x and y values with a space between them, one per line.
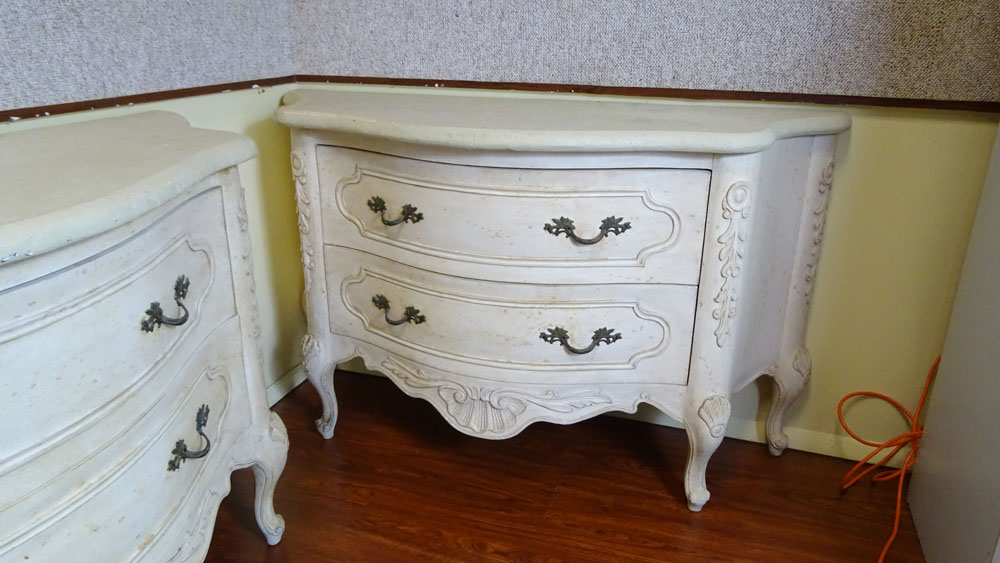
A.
pixel 522 121
pixel 66 183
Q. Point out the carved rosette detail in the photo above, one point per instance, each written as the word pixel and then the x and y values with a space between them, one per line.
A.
pixel 299 174
pixel 481 410
pixel 802 364
pixel 714 412
pixel 818 224
pixel 735 210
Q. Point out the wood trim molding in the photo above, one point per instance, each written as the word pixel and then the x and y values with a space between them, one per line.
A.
pixel 682 93
pixel 70 107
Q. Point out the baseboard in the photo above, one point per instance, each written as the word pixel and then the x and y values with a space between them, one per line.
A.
pixel 285 384
pixel 812 441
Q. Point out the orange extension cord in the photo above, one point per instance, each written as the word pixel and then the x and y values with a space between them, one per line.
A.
pixel 911 438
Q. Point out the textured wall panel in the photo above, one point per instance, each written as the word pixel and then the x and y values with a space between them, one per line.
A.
pixel 937 49
pixel 62 51
pixel 73 50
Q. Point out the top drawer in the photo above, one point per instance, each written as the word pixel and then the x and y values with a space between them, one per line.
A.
pixel 507 223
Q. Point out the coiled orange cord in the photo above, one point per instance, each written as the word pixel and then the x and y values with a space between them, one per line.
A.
pixel 911 438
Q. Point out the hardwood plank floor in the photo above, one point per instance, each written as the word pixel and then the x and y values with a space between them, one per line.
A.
pixel 396 483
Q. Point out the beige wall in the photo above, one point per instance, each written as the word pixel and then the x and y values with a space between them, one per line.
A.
pixel 905 192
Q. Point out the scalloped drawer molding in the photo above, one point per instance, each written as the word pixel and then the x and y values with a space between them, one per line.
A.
pixel 514 258
pixel 128 324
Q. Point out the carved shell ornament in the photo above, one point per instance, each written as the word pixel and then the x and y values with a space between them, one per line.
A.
pixel 714 412
pixel 735 210
pixel 481 410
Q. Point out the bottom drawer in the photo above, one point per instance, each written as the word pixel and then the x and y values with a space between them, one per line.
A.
pixel 530 333
pixel 152 494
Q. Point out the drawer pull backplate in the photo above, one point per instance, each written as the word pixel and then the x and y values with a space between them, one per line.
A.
pixel 559 334
pixel 408 214
pixel 155 312
pixel 610 225
pixel 181 451
pixel 410 314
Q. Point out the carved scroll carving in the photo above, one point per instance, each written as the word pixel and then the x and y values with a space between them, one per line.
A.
pixel 247 257
pixel 714 412
pixel 818 224
pixel 310 347
pixel 241 210
pixel 299 174
pixel 254 315
pixel 482 410
pixel 735 210
pixel 276 430
pixel 196 538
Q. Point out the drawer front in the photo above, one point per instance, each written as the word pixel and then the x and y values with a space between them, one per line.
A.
pixel 520 220
pixel 71 343
pixel 82 497
pixel 546 333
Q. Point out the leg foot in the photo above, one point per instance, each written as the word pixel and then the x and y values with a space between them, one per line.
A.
pixel 324 385
pixel 790 380
pixel 705 427
pixel 319 369
pixel 266 470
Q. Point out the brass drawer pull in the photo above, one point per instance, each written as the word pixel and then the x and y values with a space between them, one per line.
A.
pixel 181 451
pixel 610 225
pixel 559 334
pixel 408 214
pixel 410 314
pixel 155 312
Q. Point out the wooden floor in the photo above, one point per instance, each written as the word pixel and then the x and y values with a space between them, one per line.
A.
pixel 396 483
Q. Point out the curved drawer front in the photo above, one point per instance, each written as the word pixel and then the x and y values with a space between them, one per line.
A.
pixel 496 329
pixel 128 502
pixel 520 219
pixel 71 343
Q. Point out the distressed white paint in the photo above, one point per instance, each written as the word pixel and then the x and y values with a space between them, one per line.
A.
pixel 513 121
pixel 93 405
pixel 100 183
pixel 701 315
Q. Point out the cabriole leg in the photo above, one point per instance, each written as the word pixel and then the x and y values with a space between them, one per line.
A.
pixel 319 369
pixel 266 471
pixel 706 426
pixel 790 380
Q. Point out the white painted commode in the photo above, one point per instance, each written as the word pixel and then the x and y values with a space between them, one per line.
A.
pixel 514 258
pixel 130 368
